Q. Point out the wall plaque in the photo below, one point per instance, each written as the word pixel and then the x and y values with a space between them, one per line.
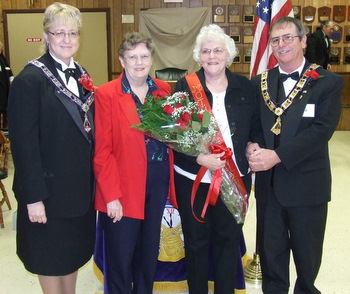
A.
pixel 224 28
pixel 248 13
pixel 297 11
pixel 308 30
pixel 347 55
pixel 334 55
pixel 309 14
pixel 248 34
pixel 234 13
pixel 218 13
pixel 324 13
pixel 347 34
pixel 238 58
pixel 247 54
pixel 236 33
pixel 339 12
pixel 337 33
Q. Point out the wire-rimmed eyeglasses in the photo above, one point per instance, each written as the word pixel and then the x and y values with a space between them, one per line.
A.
pixel 61 35
pixel 286 39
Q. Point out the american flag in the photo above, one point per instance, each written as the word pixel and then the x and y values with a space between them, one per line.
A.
pixel 267 11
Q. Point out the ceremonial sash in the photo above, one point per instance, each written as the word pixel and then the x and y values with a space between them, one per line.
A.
pixel 201 99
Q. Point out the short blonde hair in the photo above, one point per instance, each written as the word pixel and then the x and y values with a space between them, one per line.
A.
pixel 59 13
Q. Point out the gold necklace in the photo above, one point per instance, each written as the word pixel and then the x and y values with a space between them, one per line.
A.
pixel 279 110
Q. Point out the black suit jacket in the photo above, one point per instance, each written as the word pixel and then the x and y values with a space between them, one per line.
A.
pixel 51 151
pixel 317 50
pixel 304 176
pixel 242 114
pixel 5 74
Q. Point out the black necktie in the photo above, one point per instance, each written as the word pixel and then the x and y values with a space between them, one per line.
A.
pixel 293 75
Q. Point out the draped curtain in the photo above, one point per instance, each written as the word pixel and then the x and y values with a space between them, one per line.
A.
pixel 174 32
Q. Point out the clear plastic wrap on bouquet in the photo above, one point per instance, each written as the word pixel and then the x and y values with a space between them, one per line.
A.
pixel 232 190
pixel 235 201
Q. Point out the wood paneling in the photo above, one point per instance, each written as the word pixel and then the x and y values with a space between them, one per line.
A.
pixel 133 7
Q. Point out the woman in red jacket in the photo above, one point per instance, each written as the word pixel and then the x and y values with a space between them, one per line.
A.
pixel 132 172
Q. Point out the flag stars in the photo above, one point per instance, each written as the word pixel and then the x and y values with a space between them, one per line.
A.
pixel 265 10
pixel 257 4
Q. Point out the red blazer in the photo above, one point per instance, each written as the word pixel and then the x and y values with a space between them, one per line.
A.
pixel 120 161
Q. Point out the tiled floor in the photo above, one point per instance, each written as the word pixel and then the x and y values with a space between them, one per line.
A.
pixel 334 277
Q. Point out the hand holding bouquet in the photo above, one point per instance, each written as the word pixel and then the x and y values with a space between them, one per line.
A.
pixel 183 126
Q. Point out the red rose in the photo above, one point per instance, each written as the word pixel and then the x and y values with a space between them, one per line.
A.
pixel 200 117
pixel 313 74
pixel 186 117
pixel 178 105
pixel 160 93
pixel 168 109
pixel 182 124
pixel 86 82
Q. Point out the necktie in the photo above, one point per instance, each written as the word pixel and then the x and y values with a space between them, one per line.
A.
pixel 293 75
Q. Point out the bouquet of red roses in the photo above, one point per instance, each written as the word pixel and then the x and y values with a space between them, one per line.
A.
pixel 177 121
pixel 183 126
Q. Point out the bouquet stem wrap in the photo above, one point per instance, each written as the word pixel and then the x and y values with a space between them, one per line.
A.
pixel 226 182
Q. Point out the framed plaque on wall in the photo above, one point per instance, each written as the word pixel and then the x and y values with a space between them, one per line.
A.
pixel 219 12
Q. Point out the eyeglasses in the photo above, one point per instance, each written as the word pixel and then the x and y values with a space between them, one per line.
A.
pixel 61 35
pixel 135 58
pixel 216 51
pixel 288 39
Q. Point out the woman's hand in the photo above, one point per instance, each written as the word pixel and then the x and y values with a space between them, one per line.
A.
pixel 115 210
pixel 211 161
pixel 36 212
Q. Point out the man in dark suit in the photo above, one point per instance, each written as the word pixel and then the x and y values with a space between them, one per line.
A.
pixel 6 78
pixel 319 44
pixel 293 179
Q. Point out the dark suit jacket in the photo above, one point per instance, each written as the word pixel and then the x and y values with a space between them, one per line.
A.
pixel 242 114
pixel 317 50
pixel 304 176
pixel 5 74
pixel 51 151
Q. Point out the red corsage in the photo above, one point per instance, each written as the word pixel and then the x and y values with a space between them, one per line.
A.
pixel 313 74
pixel 86 81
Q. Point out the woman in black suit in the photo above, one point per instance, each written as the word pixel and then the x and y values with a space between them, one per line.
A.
pixel 231 98
pixel 51 133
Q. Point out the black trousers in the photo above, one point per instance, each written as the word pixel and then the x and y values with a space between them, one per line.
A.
pixel 132 245
pixel 282 230
pixel 220 232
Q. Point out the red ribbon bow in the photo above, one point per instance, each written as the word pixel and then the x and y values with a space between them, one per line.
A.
pixel 214 188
